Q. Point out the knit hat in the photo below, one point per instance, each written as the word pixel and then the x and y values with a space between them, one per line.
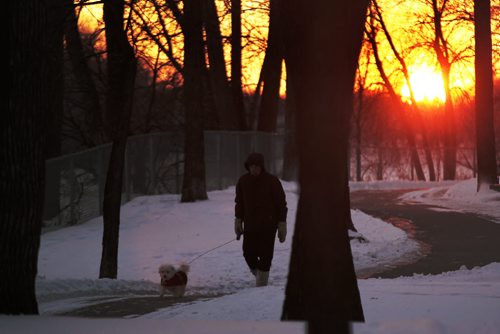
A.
pixel 256 159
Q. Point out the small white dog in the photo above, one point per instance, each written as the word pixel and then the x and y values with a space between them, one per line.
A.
pixel 173 279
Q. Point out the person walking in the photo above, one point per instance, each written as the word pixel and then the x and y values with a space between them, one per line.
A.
pixel 260 212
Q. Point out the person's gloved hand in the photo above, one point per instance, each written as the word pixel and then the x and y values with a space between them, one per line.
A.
pixel 238 227
pixel 282 231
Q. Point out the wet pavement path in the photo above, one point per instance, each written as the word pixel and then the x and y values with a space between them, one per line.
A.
pixel 130 307
pixel 451 239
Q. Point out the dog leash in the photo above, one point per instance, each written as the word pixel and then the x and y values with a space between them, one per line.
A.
pixel 210 250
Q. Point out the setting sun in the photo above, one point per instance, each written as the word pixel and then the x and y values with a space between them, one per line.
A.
pixel 427 85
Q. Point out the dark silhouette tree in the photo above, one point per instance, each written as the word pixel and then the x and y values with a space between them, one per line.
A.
pixel 325 82
pixel 371 33
pixel 193 186
pixel 121 69
pixel 236 64
pixel 442 50
pixel 221 109
pixel 228 117
pixel 414 106
pixel 290 158
pixel 358 114
pixel 272 69
pixel 23 138
pixel 59 9
pixel 485 131
pixel 89 101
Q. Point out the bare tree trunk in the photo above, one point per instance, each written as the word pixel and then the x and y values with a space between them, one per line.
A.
pixel 358 133
pixel 485 131
pixel 53 123
pixel 193 186
pixel 427 150
pixel 406 74
pixel 379 173
pixel 236 66
pixel 271 69
pixel 440 46
pixel 324 103
pixel 53 120
pixel 228 119
pixel 148 122
pixel 415 159
pixel 358 115
pixel 121 79
pixel 22 157
pixel 90 97
pixel 410 135
pixel 290 159
pixel 254 103
pixel 450 140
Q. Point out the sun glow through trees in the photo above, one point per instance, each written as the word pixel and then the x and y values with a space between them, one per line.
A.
pixel 427 85
pixel 401 17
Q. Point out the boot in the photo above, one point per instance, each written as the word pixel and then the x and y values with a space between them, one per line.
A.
pixel 261 278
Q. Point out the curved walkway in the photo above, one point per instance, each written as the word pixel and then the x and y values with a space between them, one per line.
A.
pixel 453 239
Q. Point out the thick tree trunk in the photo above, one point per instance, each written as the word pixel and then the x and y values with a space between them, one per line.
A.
pixel 228 118
pixel 485 131
pixel 111 210
pixel 89 102
pixel 236 66
pixel 53 121
pixel 324 103
pixel 271 69
pixel 193 186
pixel 121 79
pixel 22 164
pixel 57 14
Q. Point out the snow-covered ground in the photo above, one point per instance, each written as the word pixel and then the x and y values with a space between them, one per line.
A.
pixel 159 229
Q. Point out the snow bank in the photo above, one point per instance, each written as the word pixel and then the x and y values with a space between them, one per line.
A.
pixel 159 229
pixel 460 196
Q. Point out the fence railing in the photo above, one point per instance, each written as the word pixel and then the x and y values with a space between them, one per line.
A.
pixel 153 165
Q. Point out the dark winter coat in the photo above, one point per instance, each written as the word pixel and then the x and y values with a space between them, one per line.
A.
pixel 260 200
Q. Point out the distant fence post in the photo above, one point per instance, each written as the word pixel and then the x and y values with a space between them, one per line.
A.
pixel 218 159
pixel 177 172
pixel 152 179
pixel 126 172
pixel 273 137
pixel 238 155
pixel 101 172
pixel 73 192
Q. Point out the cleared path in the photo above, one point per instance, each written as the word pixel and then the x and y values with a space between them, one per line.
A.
pixel 452 239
